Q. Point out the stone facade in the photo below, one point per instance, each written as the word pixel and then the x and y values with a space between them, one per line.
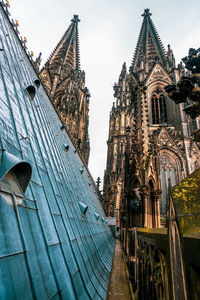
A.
pixel 65 84
pixel 150 147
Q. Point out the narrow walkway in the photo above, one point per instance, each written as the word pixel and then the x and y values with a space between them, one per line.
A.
pixel 119 285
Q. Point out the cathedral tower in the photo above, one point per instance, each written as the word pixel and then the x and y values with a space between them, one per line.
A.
pixel 65 83
pixel 149 145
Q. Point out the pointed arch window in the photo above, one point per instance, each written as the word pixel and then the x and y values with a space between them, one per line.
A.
pixel 171 172
pixel 159 109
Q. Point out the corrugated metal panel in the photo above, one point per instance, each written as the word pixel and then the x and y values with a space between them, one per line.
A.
pixel 48 249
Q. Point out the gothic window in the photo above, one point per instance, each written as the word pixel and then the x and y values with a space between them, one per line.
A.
pixel 163 108
pixel 154 105
pixel 170 175
pixel 159 109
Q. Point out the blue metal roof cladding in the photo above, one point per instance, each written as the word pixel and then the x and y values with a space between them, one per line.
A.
pixel 49 248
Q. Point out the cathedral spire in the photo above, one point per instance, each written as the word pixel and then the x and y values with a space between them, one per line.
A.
pixel 149 47
pixel 64 59
pixel 67 49
pixel 65 84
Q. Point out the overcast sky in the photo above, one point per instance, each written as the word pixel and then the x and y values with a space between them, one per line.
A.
pixel 108 33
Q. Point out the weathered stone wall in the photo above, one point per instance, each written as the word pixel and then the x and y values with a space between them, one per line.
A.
pixel 164 263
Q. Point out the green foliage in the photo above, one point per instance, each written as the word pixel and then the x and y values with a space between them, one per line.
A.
pixel 186 199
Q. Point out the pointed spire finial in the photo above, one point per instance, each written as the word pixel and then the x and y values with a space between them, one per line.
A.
pixel 147 13
pixel 148 39
pixel 75 19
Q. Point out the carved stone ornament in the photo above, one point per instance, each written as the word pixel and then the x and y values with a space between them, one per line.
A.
pixel 145 191
pixel 165 139
pixel 157 195
pixel 158 74
pixel 167 162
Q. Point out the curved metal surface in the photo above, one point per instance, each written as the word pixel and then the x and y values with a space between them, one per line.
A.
pixel 20 168
pixel 48 250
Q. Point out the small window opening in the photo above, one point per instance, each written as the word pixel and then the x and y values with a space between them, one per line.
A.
pixel 159 109
pixel 37 83
pixel 30 90
pixel 66 147
pixel 96 216
pixel 83 208
pixel 84 212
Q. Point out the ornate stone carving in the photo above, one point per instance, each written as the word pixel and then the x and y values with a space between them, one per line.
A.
pixel 166 162
pixel 145 191
pixel 157 195
pixel 158 74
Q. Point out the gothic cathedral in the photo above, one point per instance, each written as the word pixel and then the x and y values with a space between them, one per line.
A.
pixel 65 84
pixel 150 147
